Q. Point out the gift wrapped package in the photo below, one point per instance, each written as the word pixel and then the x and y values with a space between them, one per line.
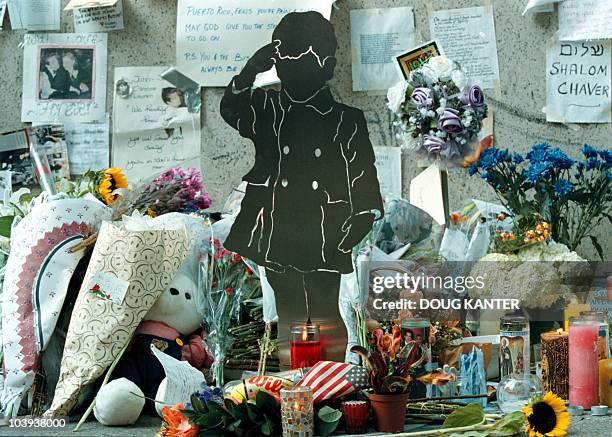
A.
pixel 128 271
pixel 38 272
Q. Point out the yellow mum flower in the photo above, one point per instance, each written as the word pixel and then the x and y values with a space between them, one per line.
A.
pixel 112 179
pixel 546 417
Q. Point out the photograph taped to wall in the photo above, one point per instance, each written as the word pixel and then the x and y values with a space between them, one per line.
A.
pixel 64 77
pixel 66 73
pixel 416 57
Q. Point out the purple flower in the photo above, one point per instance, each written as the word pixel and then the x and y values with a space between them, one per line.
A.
pixel 421 97
pixel 450 121
pixel 433 144
pixel 474 96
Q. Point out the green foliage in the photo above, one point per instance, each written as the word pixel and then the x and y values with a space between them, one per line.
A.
pixel 471 414
pixel 5 225
pixel 327 420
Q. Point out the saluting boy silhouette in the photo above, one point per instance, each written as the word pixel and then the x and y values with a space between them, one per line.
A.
pixel 312 194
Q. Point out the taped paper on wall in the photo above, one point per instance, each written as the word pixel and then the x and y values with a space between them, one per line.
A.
pixel 215 38
pixel 80 4
pixel 377 37
pixel 153 129
pixel 426 193
pixel 538 6
pixel 102 19
pixel 585 20
pixel 467 36
pixel 88 146
pixel 389 170
pixel 64 77
pixel 34 14
pixel 578 81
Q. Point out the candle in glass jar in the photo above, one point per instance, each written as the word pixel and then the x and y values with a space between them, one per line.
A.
pixel 583 367
pixel 305 345
pixel 555 365
pixel 605 382
pixel 297 412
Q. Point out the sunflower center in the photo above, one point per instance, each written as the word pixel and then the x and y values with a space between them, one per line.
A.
pixel 543 419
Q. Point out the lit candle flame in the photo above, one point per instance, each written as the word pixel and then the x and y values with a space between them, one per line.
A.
pixel 304 334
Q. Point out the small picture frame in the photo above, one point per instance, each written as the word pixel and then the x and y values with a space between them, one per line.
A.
pixel 416 57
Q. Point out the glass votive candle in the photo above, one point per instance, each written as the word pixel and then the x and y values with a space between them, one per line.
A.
pixel 305 345
pixel 297 412
pixel 356 414
pixel 583 362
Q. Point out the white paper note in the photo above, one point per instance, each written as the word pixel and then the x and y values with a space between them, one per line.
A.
pixel 578 81
pixel 88 146
pixel 389 170
pixel 585 19
pixel 106 286
pixel 79 4
pixel 377 36
pixel 182 379
pixel 426 193
pixel 103 19
pixel 64 77
pixel 467 36
pixel 34 14
pixel 215 38
pixel 151 135
pixel 537 6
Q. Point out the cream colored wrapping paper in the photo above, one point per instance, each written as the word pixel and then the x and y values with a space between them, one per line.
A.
pixel 100 327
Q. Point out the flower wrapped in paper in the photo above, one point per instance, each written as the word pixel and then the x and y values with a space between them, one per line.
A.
pixel 38 271
pixel 132 267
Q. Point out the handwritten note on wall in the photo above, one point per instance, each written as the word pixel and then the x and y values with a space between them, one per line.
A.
pixel 152 129
pixel 215 38
pixel 389 170
pixel 467 36
pixel 578 81
pixel 585 19
pixel 88 146
pixel 103 19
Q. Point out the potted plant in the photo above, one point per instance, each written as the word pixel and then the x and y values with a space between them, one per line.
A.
pixel 390 372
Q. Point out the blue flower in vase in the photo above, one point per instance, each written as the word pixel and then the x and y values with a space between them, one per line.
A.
pixel 538 152
pixel 473 169
pixel 536 172
pixel 589 151
pixel 606 155
pixel 517 158
pixel 489 159
pixel 559 159
pixel 563 188
pixel 593 163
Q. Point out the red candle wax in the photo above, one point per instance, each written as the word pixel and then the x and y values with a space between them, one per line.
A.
pixel 305 353
pixel 583 368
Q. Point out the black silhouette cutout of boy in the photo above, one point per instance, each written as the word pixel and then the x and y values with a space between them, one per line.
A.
pixel 313 193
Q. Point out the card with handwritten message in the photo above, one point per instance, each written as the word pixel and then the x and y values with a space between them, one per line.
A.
pixel 152 127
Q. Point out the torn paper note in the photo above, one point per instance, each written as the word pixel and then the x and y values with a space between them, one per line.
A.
pixel 578 81
pixel 152 129
pixel 538 6
pixel 215 38
pixel 88 146
pixel 467 36
pixel 34 15
pixel 182 380
pixel 585 20
pixel 64 77
pixel 389 170
pixel 102 19
pixel 377 37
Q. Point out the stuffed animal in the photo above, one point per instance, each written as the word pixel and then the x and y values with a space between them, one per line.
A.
pixel 171 325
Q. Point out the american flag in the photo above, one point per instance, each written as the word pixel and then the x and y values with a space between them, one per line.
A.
pixel 332 380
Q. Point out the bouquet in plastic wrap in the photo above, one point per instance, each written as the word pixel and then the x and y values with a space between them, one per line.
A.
pixel 221 279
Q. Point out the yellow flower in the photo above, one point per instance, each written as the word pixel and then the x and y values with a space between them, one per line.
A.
pixel 112 179
pixel 546 417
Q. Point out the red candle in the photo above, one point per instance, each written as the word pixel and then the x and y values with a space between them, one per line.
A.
pixel 305 346
pixel 583 367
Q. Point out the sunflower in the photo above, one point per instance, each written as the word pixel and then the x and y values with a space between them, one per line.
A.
pixel 112 179
pixel 546 417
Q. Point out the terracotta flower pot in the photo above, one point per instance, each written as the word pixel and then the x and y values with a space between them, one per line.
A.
pixel 389 411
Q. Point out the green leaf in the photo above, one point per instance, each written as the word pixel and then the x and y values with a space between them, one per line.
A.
pixel 267 428
pixel 5 225
pixel 469 415
pixel 198 405
pixel 597 246
pixel 329 414
pixel 509 425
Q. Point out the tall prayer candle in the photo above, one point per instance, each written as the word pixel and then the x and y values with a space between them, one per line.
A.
pixel 305 345
pixel 583 367
pixel 605 382
pixel 555 364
